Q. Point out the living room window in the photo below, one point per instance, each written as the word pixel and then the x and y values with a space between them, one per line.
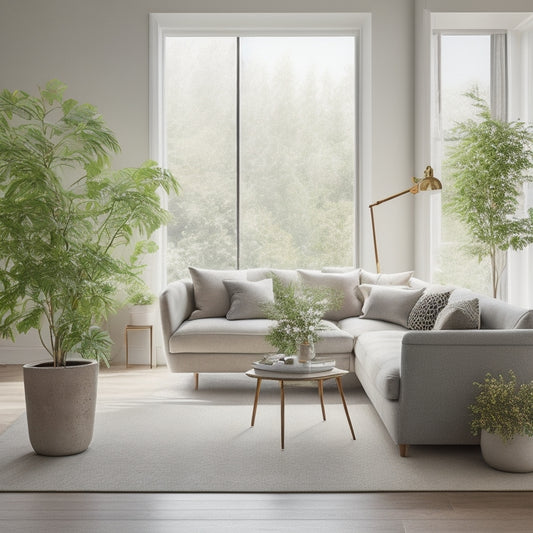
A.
pixel 261 132
pixel 465 61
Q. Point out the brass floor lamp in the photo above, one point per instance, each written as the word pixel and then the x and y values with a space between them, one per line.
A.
pixel 427 183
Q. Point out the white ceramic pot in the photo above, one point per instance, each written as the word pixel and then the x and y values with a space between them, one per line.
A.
pixel 142 315
pixel 515 455
pixel 60 406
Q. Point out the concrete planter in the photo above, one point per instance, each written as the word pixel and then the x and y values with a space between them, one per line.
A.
pixel 60 406
pixel 515 455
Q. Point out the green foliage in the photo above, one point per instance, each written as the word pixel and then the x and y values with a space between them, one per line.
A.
pixel 63 214
pixel 298 310
pixel 488 165
pixel 140 294
pixel 503 407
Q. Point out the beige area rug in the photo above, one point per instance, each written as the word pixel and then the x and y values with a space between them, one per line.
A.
pixel 173 439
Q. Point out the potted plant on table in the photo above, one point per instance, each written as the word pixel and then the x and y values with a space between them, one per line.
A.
pixel 142 310
pixel 298 311
pixel 503 414
pixel 63 215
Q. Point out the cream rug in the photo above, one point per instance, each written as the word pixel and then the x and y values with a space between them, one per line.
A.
pixel 174 439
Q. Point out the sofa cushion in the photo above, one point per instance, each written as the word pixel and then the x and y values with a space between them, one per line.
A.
pixel 459 315
pixel 392 304
pixel 356 326
pixel 219 335
pixel 397 278
pixel 210 295
pixel 379 354
pixel 286 276
pixel 344 283
pixel 247 298
pixel 427 309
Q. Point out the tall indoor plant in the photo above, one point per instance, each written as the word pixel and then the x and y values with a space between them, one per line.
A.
pixel 64 214
pixel 489 163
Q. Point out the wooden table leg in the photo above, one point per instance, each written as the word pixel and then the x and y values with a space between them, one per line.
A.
pixel 339 386
pixel 321 395
pixel 257 389
pixel 282 402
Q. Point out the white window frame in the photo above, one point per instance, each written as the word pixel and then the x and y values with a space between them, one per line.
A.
pixel 162 25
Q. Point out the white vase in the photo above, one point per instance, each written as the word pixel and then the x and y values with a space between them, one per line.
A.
pixel 306 352
pixel 515 455
pixel 142 315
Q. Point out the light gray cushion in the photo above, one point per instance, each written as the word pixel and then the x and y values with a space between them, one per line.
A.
pixel 398 278
pixel 459 315
pixel 247 298
pixel 219 335
pixel 210 295
pixel 392 304
pixel 286 276
pixel 379 354
pixel 344 283
pixel 356 326
pixel 426 310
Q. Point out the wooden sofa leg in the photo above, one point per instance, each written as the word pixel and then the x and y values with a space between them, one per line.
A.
pixel 403 450
pixel 196 379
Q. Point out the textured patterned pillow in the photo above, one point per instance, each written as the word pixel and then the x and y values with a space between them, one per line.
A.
pixel 427 308
pixel 459 315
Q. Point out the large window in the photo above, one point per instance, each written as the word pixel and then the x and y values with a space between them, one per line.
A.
pixel 463 64
pixel 260 132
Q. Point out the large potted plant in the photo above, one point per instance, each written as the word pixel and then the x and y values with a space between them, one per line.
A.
pixel 63 216
pixel 503 415
pixel 488 164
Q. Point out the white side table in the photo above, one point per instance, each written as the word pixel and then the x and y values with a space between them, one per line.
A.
pixel 150 329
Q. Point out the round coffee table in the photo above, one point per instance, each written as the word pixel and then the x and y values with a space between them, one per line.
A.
pixel 319 377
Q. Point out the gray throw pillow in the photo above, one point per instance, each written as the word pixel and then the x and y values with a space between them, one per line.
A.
pixel 459 315
pixel 210 295
pixel 344 283
pixel 248 297
pixel 398 278
pixel 427 308
pixel 391 304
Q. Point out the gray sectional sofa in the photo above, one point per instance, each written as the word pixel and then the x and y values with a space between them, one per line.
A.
pixel 416 348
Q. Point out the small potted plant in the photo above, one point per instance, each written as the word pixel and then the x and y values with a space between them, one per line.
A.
pixel 298 311
pixel 142 310
pixel 503 415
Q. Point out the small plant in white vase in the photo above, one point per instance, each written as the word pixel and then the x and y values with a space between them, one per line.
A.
pixel 503 415
pixel 298 311
pixel 142 310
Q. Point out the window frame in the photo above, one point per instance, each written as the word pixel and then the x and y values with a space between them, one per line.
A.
pixel 356 25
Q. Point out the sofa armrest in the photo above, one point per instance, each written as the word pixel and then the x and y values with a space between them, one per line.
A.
pixel 176 303
pixel 438 369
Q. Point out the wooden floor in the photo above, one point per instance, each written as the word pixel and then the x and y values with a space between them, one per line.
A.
pixel 406 512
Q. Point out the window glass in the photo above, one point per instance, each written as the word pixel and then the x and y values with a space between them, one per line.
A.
pixel 267 163
pixel 464 64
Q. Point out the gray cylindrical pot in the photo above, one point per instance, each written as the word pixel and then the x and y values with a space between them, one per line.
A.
pixel 60 406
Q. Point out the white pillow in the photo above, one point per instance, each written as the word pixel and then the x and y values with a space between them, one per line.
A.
pixel 344 283
pixel 398 278
pixel 210 295
pixel 391 304
pixel 248 297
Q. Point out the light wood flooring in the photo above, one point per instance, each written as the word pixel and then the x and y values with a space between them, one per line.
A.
pixel 405 512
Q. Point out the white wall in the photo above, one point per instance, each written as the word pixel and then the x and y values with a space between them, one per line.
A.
pixel 99 48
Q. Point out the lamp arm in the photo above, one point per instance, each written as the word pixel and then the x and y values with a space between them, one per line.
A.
pixel 412 190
